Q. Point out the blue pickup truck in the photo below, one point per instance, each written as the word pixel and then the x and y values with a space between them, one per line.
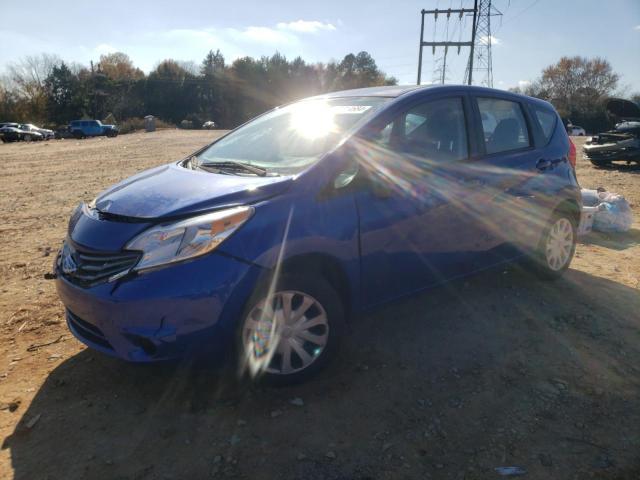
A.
pixel 91 128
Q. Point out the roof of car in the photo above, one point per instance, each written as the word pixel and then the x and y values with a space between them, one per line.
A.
pixel 386 91
pixel 398 90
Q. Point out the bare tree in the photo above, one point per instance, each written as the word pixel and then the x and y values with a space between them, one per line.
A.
pixel 27 77
pixel 29 74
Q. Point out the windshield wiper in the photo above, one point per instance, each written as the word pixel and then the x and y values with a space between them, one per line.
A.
pixel 232 165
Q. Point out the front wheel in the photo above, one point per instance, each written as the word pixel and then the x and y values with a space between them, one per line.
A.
pixel 289 334
pixel 557 246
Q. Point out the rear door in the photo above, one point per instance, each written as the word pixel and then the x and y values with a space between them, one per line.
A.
pixel 508 167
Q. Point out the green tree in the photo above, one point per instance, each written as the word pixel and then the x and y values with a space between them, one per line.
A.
pixel 214 88
pixel 65 99
pixel 171 92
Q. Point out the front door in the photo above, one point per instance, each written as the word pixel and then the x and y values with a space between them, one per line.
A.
pixel 416 224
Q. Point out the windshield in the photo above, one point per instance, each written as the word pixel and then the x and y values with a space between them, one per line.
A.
pixel 290 138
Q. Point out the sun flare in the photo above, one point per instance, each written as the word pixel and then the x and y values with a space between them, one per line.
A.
pixel 313 120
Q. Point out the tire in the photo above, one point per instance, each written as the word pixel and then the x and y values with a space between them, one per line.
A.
pixel 305 344
pixel 27 138
pixel 78 134
pixel 600 163
pixel 557 246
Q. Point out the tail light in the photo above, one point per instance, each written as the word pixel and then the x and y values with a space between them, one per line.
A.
pixel 572 154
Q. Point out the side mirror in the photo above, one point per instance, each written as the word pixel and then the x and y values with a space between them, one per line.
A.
pixel 346 177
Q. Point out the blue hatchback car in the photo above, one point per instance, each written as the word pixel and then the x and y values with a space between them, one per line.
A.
pixel 266 241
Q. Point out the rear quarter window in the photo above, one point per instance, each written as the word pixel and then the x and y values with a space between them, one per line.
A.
pixel 547 120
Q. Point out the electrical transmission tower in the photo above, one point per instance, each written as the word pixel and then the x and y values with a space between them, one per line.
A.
pixel 481 51
pixel 479 44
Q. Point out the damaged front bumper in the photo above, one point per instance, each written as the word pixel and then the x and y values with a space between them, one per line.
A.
pixel 163 314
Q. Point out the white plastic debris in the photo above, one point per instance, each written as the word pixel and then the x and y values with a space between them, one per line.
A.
pixel 586 220
pixel 604 212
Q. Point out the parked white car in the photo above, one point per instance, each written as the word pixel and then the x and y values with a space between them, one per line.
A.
pixel 575 131
pixel 45 132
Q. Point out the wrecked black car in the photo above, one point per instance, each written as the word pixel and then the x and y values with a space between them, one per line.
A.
pixel 620 144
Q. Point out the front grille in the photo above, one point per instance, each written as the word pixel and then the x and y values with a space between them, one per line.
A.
pixel 88 269
pixel 88 331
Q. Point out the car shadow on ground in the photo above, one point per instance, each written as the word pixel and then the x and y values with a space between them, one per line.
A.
pixel 614 241
pixel 496 370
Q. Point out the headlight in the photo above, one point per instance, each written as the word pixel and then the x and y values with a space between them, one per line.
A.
pixel 187 238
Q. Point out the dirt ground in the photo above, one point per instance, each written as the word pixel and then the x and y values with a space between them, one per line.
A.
pixel 492 371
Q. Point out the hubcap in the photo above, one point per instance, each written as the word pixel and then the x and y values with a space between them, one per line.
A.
pixel 285 333
pixel 559 244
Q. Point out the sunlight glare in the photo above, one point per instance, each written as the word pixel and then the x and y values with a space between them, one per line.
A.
pixel 313 120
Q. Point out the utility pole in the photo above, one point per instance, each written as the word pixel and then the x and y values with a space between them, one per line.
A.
pixel 473 41
pixel 446 43
pixel 422 12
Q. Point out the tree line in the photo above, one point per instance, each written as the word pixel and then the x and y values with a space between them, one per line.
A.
pixel 45 89
pixel 578 88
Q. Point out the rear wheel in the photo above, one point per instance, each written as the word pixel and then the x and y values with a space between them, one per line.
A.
pixel 288 335
pixel 557 246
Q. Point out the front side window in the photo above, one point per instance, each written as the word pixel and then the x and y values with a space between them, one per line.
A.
pixel 503 125
pixel 434 130
pixel 292 137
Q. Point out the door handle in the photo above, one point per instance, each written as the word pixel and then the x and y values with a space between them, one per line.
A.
pixel 543 164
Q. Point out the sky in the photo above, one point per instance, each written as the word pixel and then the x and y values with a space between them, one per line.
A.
pixel 528 36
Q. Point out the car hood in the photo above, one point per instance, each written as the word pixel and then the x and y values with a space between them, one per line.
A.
pixel 172 191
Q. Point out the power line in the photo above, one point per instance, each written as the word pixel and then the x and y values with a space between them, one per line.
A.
pixel 531 5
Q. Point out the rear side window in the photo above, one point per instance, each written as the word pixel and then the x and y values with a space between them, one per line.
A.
pixel 503 125
pixel 547 120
